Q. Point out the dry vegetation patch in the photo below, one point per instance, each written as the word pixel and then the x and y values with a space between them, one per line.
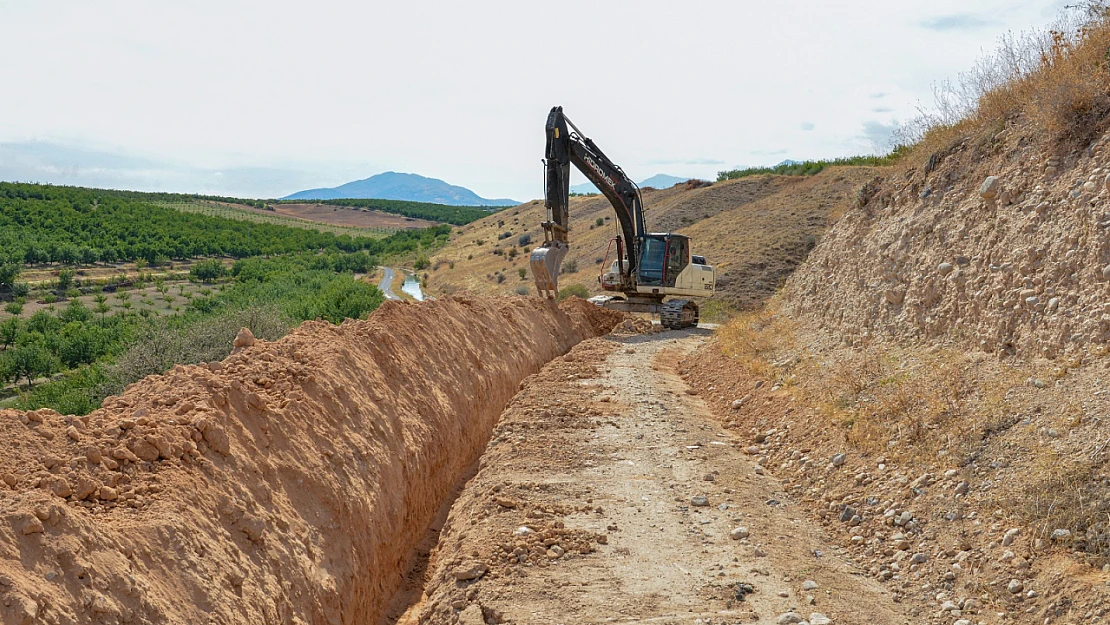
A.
pixel 968 445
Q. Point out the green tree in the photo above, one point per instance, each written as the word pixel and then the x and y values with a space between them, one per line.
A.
pixel 65 280
pixel 8 274
pixel 14 308
pixel 9 331
pixel 422 262
pixel 208 270
pixel 101 304
pixel 76 311
pixel 31 360
pixel 44 323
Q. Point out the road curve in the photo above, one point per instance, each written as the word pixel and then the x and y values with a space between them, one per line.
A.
pixel 386 285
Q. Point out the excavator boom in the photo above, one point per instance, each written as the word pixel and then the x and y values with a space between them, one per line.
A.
pixel 566 145
pixel 649 266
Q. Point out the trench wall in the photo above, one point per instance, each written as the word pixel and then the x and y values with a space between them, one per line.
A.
pixel 286 484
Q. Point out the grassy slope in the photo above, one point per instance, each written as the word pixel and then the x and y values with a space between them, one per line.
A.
pixel 755 230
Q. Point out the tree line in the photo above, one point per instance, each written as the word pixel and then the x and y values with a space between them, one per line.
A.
pixel 79 226
pixel 456 215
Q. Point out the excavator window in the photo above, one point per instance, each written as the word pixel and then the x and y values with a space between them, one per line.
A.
pixel 651 261
pixel 678 257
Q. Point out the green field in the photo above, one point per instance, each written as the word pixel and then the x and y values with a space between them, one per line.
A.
pixel 99 288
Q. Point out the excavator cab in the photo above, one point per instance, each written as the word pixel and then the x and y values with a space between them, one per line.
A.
pixel 662 259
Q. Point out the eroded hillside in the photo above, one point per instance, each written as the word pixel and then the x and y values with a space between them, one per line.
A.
pixel 754 230
pixel 931 380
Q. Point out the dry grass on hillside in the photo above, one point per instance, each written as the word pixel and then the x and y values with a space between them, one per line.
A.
pixel 931 408
pixel 1057 78
pixel 754 230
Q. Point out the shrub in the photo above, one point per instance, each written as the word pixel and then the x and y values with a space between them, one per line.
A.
pixel 1057 78
pixel 521 290
pixel 14 308
pixel 75 311
pixel 522 273
pixel 421 263
pixel 161 345
pixel 599 222
pixel 208 270
pixel 21 289
pixel 73 394
pixel 810 168
pixel 570 266
pixel 65 280
pixel 524 239
pixel 574 290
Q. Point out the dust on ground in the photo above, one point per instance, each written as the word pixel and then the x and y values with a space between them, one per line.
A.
pixel 610 494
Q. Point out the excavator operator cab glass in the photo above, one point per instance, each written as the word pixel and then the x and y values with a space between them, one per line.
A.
pixel 652 256
pixel 678 257
pixel 662 258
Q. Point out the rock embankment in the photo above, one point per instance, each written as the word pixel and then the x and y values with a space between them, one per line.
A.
pixel 1001 245
pixel 287 483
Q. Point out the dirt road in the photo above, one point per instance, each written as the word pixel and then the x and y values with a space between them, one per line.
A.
pixel 386 285
pixel 610 494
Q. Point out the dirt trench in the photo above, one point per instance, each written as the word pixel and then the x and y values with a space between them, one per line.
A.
pixel 609 493
pixel 289 483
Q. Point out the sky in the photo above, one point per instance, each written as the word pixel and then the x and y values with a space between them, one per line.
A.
pixel 261 99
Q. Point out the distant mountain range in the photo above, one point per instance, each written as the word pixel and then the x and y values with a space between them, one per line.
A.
pixel 658 181
pixel 397 186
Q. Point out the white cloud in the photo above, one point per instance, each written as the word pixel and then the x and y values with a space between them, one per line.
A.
pixel 326 92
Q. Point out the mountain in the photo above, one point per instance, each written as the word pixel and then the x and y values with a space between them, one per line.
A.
pixel 662 181
pixel 658 181
pixel 789 162
pixel 397 186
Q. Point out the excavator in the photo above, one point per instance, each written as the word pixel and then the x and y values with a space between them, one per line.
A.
pixel 648 266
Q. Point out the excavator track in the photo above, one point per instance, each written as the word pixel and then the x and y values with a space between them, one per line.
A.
pixel 678 314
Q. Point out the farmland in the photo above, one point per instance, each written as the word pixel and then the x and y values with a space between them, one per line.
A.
pixel 263 216
pixel 100 288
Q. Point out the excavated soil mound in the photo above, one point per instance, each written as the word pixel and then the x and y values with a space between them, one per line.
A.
pixel 287 484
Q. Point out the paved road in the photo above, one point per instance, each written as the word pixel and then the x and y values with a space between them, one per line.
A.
pixel 386 284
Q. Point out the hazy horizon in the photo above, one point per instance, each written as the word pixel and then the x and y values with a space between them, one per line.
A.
pixel 262 100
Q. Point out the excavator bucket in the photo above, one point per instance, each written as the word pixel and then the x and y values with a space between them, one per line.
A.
pixel 545 261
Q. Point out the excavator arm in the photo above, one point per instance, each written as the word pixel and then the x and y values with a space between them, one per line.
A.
pixel 566 145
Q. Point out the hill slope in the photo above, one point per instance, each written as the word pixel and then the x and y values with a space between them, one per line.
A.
pixel 398 186
pixel 658 181
pixel 754 230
